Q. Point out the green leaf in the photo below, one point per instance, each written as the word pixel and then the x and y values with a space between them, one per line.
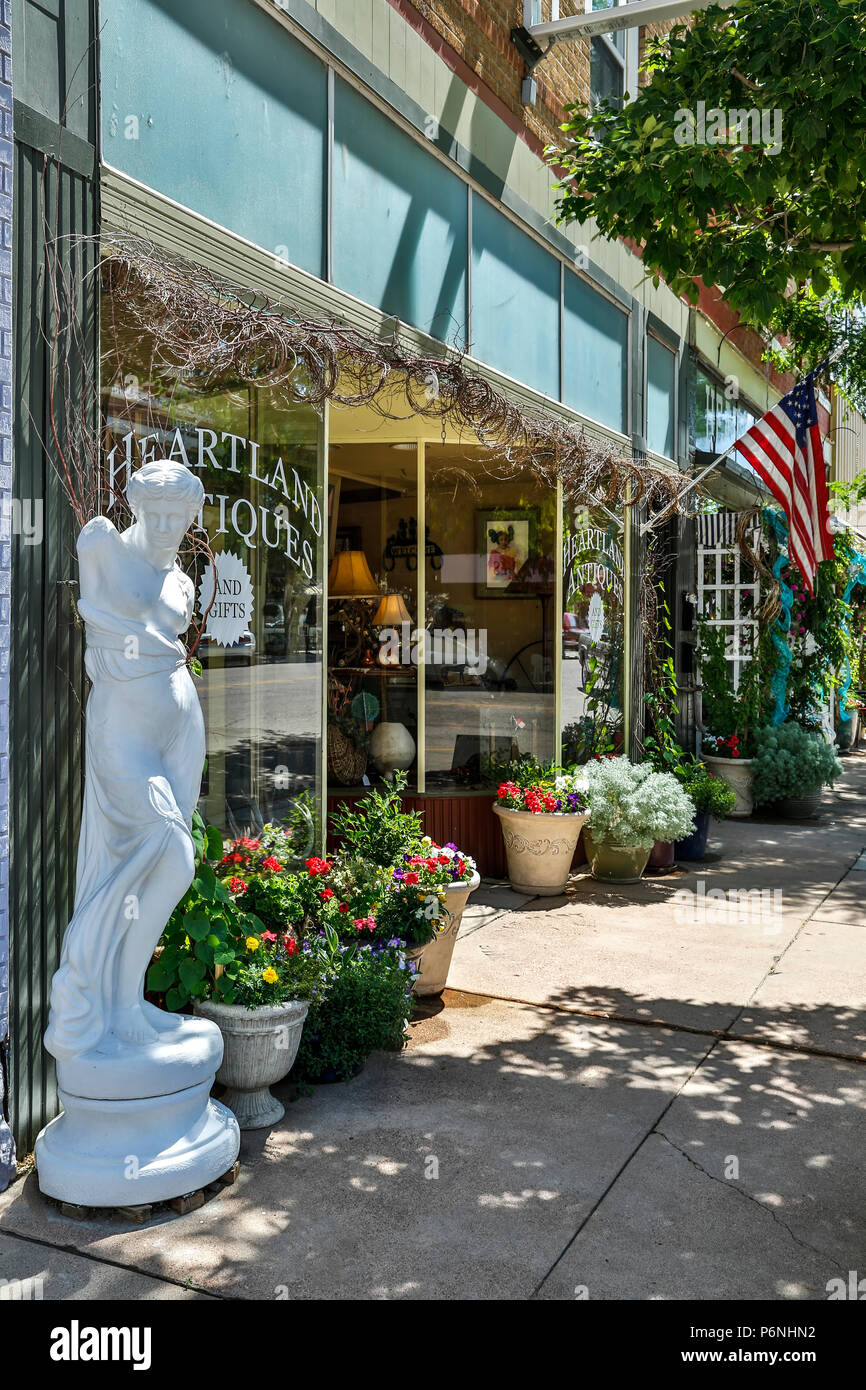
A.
pixel 158 978
pixel 196 925
pixel 176 998
pixel 214 843
pixel 191 971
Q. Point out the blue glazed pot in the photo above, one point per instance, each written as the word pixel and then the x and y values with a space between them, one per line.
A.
pixel 694 846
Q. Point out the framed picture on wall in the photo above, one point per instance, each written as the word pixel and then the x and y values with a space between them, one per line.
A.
pixel 506 544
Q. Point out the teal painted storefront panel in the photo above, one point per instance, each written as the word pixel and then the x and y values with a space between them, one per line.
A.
pixel 213 104
pixel 595 355
pixel 660 397
pixel 399 221
pixel 515 301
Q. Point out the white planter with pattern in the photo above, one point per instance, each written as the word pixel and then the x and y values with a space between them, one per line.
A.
pixel 434 958
pixel 261 1045
pixel 539 848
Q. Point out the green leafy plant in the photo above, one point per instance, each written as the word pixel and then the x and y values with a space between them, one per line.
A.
pixel 707 794
pixel 633 806
pixel 746 213
pixel 204 942
pixel 377 828
pixel 792 762
pixel 730 713
pixel 367 1008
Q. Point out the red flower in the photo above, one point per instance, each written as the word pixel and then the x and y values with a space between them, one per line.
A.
pixel 344 907
pixel 291 946
pixel 461 867
pixel 269 936
pixel 326 894
pixel 237 885
pixel 273 864
pixel 443 859
pixel 316 866
pixel 411 880
pixel 432 864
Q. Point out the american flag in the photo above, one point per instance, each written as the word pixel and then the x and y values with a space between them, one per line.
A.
pixel 784 448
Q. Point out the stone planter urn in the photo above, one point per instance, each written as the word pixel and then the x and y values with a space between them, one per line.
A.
pixel 848 732
pixel 618 863
pixel 738 774
pixel 434 957
pixel 261 1045
pixel 539 849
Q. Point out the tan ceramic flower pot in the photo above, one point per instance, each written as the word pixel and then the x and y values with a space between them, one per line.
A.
pixel 737 772
pixel 434 958
pixel 539 849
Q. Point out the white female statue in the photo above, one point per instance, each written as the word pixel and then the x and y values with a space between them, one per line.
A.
pixel 147 1073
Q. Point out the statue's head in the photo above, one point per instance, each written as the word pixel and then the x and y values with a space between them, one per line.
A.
pixel 164 497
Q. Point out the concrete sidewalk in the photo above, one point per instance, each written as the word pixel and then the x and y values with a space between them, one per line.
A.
pixel 615 1101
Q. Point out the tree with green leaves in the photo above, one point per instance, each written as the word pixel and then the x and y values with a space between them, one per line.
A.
pixel 741 163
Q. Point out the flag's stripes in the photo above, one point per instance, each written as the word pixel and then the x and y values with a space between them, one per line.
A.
pixel 784 447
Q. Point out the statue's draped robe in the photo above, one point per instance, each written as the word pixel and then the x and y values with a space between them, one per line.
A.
pixel 128 819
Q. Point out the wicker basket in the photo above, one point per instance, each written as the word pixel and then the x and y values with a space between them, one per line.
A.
pixel 346 763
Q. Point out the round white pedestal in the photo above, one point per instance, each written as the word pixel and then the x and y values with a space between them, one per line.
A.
pixel 128 1153
pixel 121 1140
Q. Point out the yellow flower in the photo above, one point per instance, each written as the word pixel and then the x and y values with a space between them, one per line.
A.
pixel 270 975
pixel 422 897
pixel 252 943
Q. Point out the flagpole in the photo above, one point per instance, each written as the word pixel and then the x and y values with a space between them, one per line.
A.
pixel 720 458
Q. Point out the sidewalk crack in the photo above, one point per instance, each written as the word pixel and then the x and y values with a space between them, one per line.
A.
pixel 741 1191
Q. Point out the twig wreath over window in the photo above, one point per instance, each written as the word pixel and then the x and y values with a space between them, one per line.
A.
pixel 209 330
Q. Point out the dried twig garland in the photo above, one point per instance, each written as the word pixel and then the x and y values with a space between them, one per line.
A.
pixel 205 330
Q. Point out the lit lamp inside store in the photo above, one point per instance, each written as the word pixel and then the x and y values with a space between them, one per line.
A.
pixel 391 613
pixel 350 581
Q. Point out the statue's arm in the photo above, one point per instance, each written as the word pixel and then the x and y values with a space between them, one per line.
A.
pixel 96 540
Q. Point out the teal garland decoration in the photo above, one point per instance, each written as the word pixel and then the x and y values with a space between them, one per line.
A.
pixel 782 625
pixel 856 575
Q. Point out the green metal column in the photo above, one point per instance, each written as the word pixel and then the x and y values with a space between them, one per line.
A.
pixel 55 195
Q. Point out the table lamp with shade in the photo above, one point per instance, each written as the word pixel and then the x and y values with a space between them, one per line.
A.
pixel 392 613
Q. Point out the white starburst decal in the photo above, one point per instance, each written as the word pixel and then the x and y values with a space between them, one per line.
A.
pixel 232 612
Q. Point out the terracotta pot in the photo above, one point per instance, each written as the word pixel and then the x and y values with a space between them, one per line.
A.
pixel 738 774
pixel 434 957
pixel 694 846
pixel 618 863
pixel 260 1049
pixel 662 855
pixel 539 849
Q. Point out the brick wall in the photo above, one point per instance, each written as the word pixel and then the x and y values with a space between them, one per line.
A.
pixel 7 1150
pixel 480 33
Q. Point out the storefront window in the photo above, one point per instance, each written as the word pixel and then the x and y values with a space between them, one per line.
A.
pixel 490 613
pixel 593 593
pixel 260 461
pixel 373 582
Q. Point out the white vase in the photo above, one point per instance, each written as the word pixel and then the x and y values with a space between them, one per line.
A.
pixel 261 1045
pixel 738 774
pixel 392 748
pixel 539 848
pixel 434 957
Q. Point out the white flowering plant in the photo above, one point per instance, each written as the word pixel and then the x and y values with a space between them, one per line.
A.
pixel 633 806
